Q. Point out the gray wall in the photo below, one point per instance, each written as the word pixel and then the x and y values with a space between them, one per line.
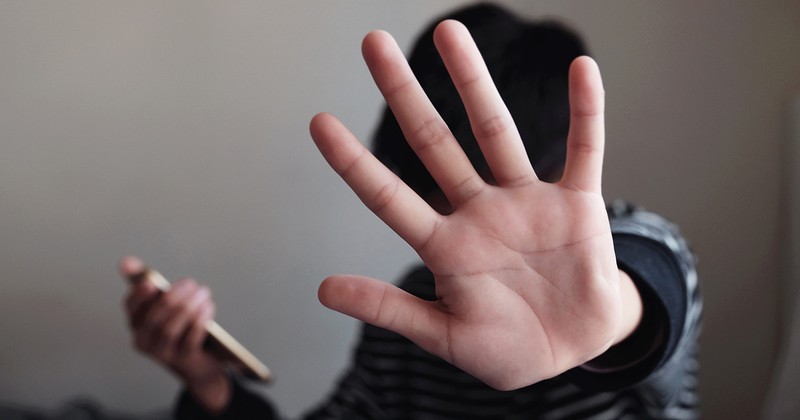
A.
pixel 178 132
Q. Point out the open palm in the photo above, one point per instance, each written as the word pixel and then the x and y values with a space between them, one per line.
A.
pixel 526 278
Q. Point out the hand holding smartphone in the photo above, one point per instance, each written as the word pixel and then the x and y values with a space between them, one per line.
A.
pixel 218 342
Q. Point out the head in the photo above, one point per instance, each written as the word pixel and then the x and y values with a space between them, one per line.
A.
pixel 529 63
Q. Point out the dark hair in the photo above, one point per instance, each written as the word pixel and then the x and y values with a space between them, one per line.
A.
pixel 529 63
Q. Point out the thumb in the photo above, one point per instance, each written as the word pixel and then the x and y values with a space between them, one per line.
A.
pixel 387 306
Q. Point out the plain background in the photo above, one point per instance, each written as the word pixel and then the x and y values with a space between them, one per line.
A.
pixel 177 131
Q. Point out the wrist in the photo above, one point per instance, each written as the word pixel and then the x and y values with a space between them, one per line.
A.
pixel 631 308
pixel 212 390
pixel 638 335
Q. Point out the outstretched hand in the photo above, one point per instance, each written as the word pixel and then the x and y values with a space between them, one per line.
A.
pixel 526 277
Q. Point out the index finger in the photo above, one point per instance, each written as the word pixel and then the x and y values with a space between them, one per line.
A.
pixel 379 189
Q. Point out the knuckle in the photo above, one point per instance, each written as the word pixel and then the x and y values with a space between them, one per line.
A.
pixel 429 133
pixel 397 89
pixel 493 127
pixel 387 314
pixel 468 188
pixel 583 148
pixel 469 82
pixel 384 196
pixel 353 166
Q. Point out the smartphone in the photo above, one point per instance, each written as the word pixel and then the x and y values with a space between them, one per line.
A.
pixel 218 342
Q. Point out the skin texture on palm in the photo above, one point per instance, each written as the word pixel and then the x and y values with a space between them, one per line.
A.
pixel 525 271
